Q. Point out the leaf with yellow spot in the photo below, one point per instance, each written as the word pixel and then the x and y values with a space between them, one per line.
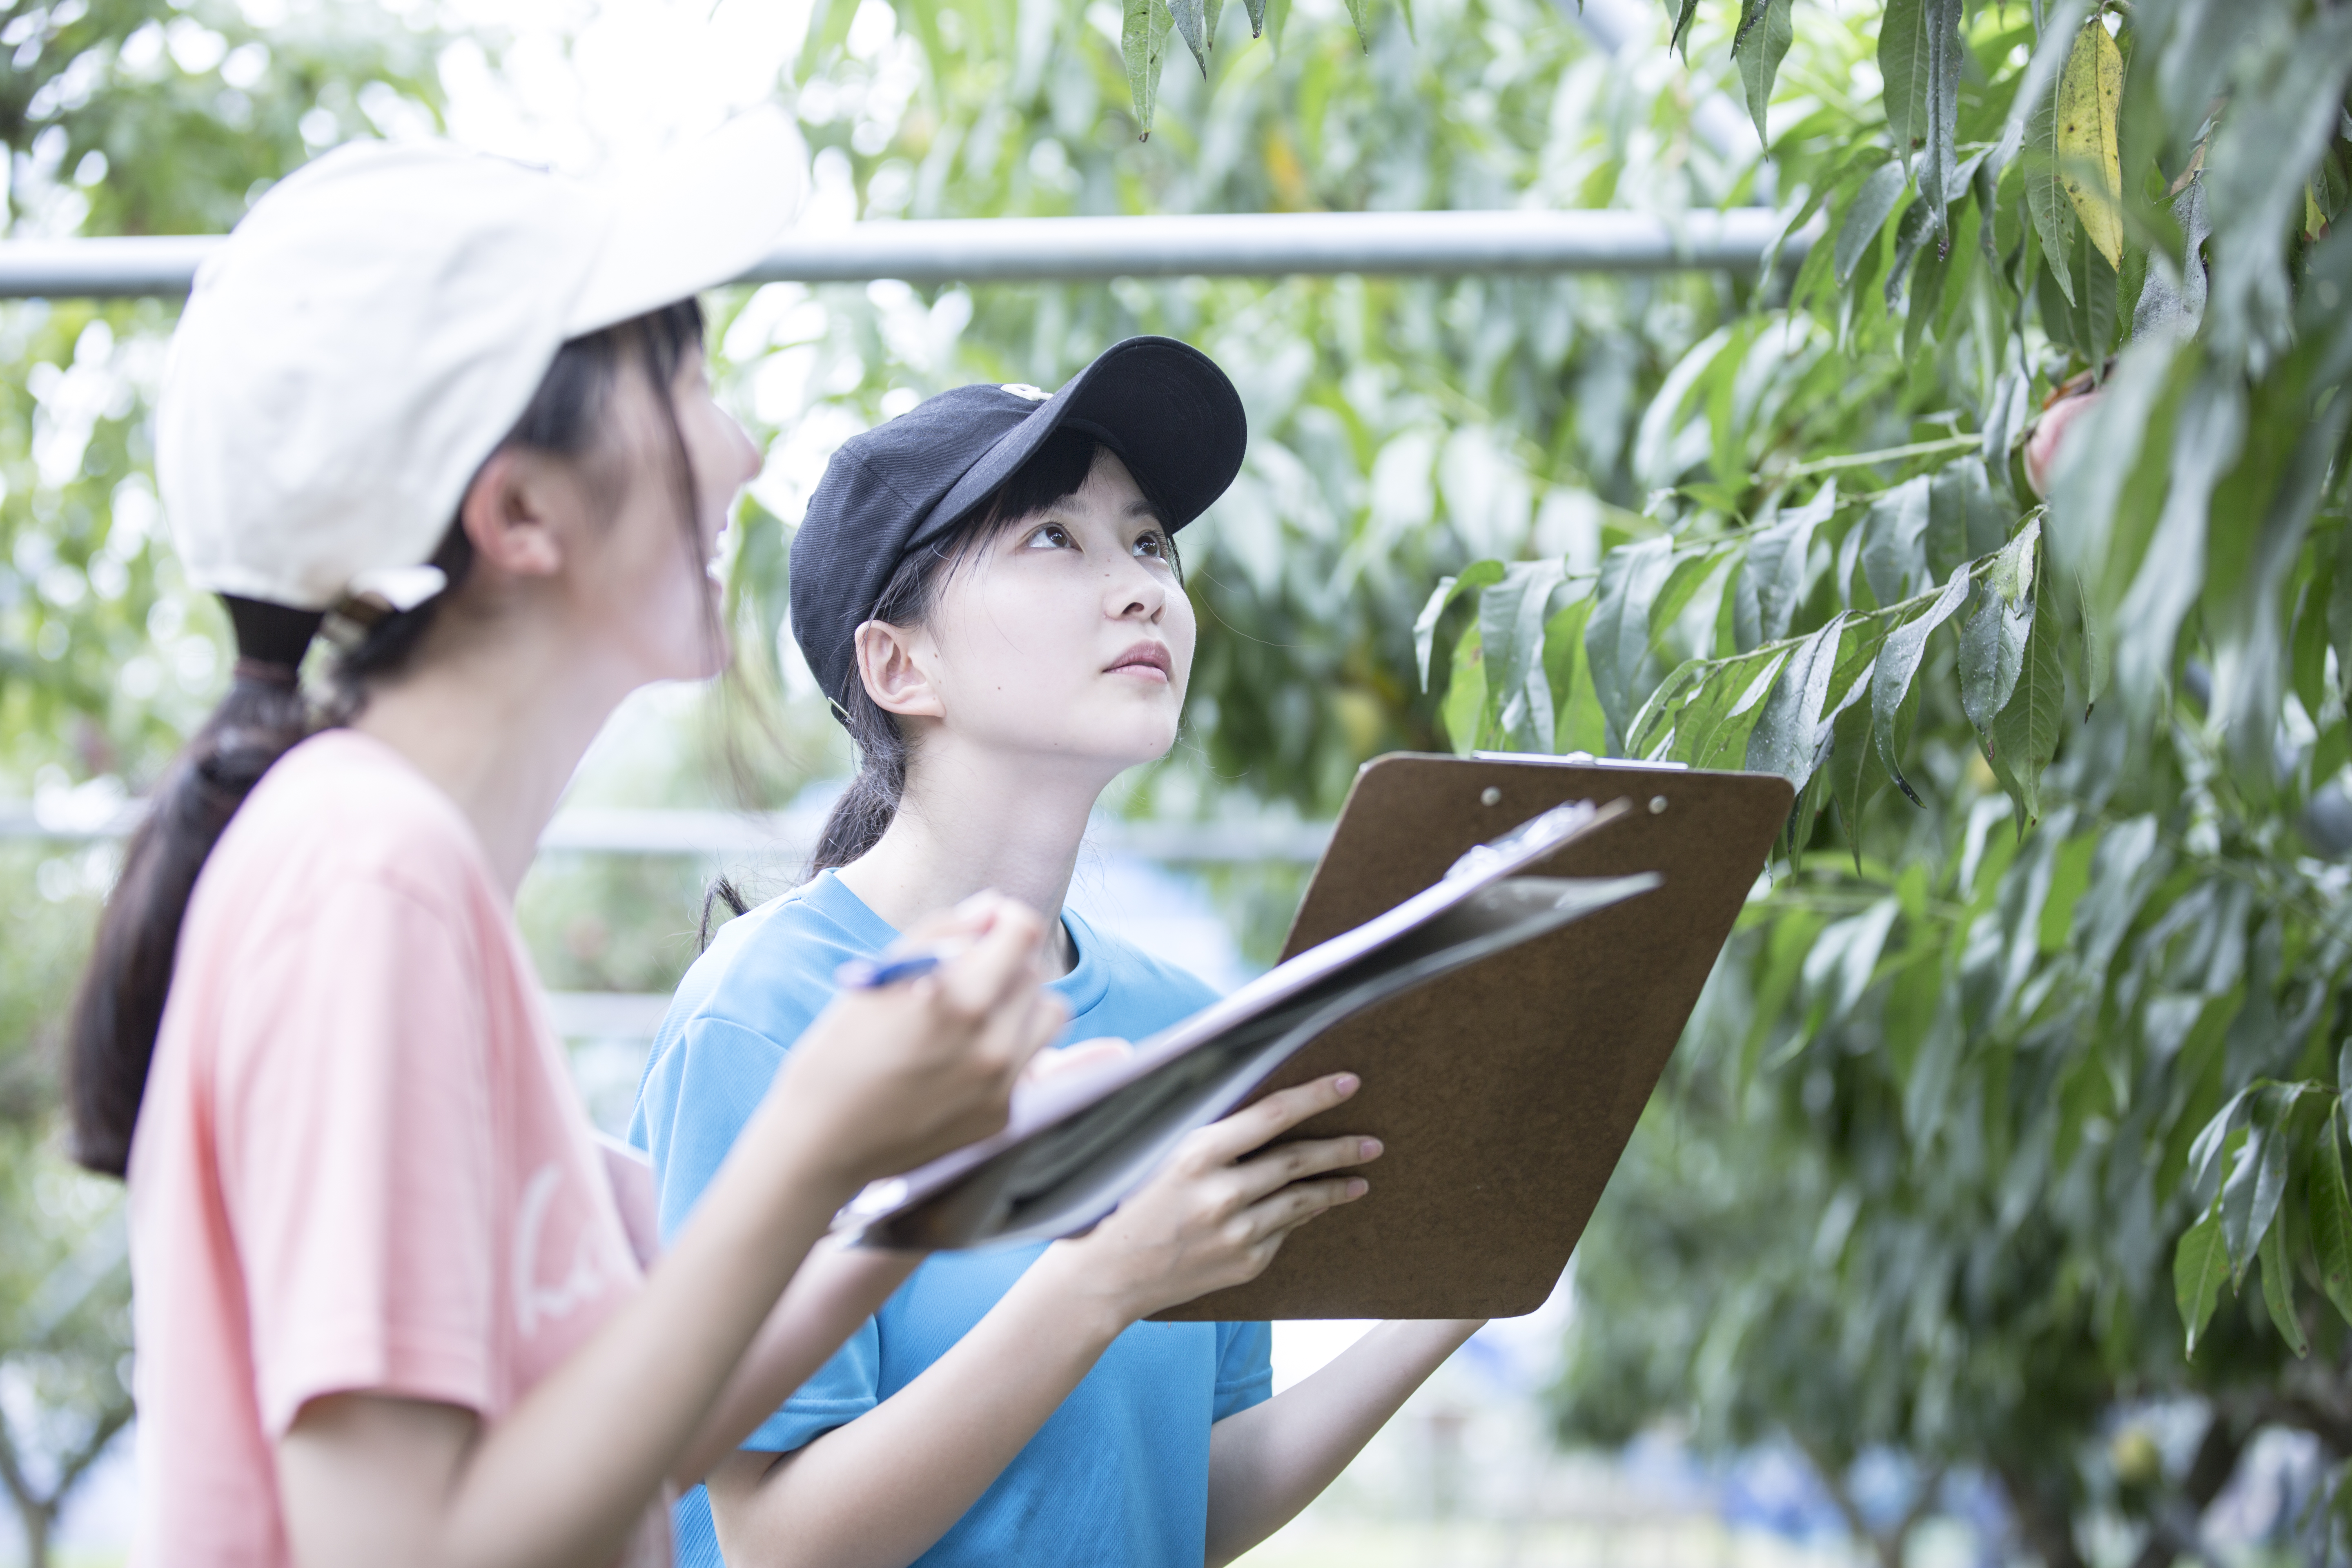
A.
pixel 2090 93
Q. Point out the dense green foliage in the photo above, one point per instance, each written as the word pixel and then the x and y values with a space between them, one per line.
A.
pixel 1398 427
pixel 2054 962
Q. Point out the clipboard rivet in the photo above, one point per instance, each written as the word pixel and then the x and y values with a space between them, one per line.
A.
pixel 1490 795
pixel 1658 805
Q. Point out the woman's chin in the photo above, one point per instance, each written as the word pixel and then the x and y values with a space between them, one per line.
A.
pixel 1118 742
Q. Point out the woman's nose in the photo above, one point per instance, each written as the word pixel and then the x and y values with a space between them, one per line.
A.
pixel 1137 595
pixel 749 458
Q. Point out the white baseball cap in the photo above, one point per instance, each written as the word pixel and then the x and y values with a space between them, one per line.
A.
pixel 373 328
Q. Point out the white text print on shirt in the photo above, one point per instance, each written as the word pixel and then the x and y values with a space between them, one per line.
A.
pixel 589 1274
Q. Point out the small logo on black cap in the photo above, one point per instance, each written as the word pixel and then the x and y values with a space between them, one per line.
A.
pixel 1022 389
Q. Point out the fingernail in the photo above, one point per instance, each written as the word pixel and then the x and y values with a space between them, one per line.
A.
pixel 977 903
pixel 1359 1187
pixel 1347 1083
pixel 1369 1148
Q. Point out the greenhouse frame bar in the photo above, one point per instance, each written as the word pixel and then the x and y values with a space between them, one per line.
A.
pixel 1080 250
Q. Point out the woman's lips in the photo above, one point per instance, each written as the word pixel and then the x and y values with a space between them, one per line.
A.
pixel 1145 661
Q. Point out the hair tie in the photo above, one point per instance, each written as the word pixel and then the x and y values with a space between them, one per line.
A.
pixel 270 638
pixel 267 672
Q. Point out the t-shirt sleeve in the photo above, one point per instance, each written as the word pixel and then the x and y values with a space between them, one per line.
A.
pixel 699 1095
pixel 356 1145
pixel 1245 1367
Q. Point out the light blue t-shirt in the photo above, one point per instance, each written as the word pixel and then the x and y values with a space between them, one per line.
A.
pixel 1119 1473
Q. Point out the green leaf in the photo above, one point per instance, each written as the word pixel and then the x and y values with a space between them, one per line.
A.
pixel 1894 556
pixel 1144 28
pixel 1791 939
pixel 2024 737
pixel 1786 739
pixel 2310 660
pixel 1853 783
pixel 2339 609
pixel 2005 420
pixel 2045 196
pixel 2213 1138
pixel 1911 232
pixel 2012 576
pixel 1658 726
pixel 1257 9
pixel 1903 67
pixel 1940 181
pixel 1464 712
pixel 2278 1288
pixel 1899 663
pixel 1690 574
pixel 1713 727
pixel 1578 724
pixel 2089 98
pixel 1926 295
pixel 1191 19
pixel 1680 40
pixel 1617 638
pixel 2331 1215
pixel 1357 10
pixel 1776 575
pixel 1763 39
pixel 2256 175
pixel 1424 627
pixel 2251 1194
pixel 1865 216
pixel 1510 631
pixel 2199 1266
pixel 1964 518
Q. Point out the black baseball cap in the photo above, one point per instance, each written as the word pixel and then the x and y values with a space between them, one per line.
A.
pixel 1163 406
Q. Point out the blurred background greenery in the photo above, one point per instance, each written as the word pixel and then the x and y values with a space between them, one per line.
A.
pixel 1890 1269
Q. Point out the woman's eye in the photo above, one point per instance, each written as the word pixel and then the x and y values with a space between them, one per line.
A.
pixel 1053 536
pixel 1153 546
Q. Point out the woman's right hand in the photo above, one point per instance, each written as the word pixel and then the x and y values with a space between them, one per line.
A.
pixel 887 1079
pixel 1216 1213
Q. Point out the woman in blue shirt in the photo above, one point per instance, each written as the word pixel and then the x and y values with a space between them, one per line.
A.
pixel 987 588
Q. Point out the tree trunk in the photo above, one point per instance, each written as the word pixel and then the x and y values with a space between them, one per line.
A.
pixel 37 1518
pixel 2048 1529
pixel 2172 1532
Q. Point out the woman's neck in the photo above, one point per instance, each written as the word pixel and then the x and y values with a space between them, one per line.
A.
pixel 971 820
pixel 500 724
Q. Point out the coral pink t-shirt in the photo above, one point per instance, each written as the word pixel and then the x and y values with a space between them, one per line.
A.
pixel 360 1163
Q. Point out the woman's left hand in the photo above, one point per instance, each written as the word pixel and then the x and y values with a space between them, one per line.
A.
pixel 1217 1212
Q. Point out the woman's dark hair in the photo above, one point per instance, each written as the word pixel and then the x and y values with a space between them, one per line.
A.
pixel 119 1007
pixel 864 813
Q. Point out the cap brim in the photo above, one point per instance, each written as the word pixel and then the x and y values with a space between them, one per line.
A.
pixel 699 217
pixel 1163 406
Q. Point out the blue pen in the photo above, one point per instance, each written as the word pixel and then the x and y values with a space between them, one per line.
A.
pixel 871 974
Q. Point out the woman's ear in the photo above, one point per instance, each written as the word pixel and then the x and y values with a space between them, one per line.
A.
pixel 508 512
pixel 894 677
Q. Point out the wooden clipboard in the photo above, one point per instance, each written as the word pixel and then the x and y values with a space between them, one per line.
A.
pixel 1506 1092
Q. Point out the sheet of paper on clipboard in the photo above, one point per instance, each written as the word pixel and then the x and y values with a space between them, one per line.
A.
pixel 1077 1143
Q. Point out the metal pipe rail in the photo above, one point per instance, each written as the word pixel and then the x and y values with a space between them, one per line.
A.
pixel 781 835
pixel 1074 250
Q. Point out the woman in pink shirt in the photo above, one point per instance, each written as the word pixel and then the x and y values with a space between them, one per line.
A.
pixel 390 1301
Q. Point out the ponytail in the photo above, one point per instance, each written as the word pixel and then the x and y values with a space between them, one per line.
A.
pixel 118 1011
pixel 111 1038
pixel 867 807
